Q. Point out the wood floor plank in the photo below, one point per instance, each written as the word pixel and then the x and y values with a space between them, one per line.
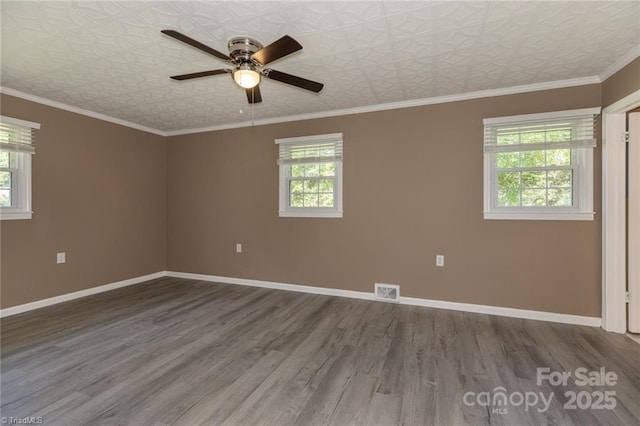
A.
pixel 177 351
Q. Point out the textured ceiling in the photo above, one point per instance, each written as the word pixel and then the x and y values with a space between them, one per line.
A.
pixel 109 57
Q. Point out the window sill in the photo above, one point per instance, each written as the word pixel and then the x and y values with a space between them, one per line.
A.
pixel 15 215
pixel 539 215
pixel 289 213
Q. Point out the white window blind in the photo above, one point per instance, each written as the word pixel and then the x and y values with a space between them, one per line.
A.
pixel 17 135
pixel 317 149
pixel 562 130
pixel 540 166
pixel 310 169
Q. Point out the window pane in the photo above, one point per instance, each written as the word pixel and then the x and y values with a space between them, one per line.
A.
pixel 326 200
pixel 508 180
pixel 533 159
pixel 509 197
pixel 311 193
pixel 311 170
pixel 559 157
pixel 534 179
pixel 534 197
pixel 507 160
pixel 560 197
pixel 5 198
pixel 4 159
pixel 297 170
pixel 297 200
pixel 5 180
pixel 326 185
pixel 327 169
pixel 560 178
pixel 310 186
pixel 311 200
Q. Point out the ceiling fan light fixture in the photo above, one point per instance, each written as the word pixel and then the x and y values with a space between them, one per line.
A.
pixel 246 76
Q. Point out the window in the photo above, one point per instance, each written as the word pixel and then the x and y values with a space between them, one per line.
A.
pixel 540 166
pixel 311 176
pixel 16 148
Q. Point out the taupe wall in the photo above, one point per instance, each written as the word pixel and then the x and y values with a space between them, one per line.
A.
pixel 621 84
pixel 99 194
pixel 412 189
pixel 112 198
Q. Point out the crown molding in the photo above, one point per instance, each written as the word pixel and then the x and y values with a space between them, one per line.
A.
pixel 70 108
pixel 559 84
pixel 401 104
pixel 621 63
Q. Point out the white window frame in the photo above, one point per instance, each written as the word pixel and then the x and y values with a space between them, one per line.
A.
pixel 285 209
pixel 582 186
pixel 21 176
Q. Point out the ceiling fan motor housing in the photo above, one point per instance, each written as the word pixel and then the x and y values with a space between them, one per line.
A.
pixel 241 49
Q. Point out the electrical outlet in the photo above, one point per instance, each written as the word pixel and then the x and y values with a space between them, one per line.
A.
pixel 238 248
pixel 440 260
pixel 61 257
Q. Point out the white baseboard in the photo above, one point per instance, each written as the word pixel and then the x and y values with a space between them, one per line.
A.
pixel 77 294
pixel 274 285
pixel 504 312
pixel 439 304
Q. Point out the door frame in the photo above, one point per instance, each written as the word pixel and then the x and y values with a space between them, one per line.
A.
pixel 614 229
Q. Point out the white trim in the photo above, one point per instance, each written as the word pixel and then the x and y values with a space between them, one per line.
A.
pixel 439 304
pixel 21 190
pixel 559 84
pixel 302 212
pixel 300 288
pixel 70 108
pixel 621 63
pixel 504 312
pixel 614 265
pixel 582 81
pixel 15 215
pixel 284 177
pixel 633 221
pixel 14 310
pixel 568 114
pixel 545 215
pixel 330 137
pixel 625 104
pixel 19 122
pixel 582 166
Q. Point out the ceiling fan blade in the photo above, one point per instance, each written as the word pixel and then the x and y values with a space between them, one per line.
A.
pixel 191 42
pixel 253 95
pixel 303 83
pixel 199 74
pixel 276 50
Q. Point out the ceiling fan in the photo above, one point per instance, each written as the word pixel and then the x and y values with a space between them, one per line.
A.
pixel 247 56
